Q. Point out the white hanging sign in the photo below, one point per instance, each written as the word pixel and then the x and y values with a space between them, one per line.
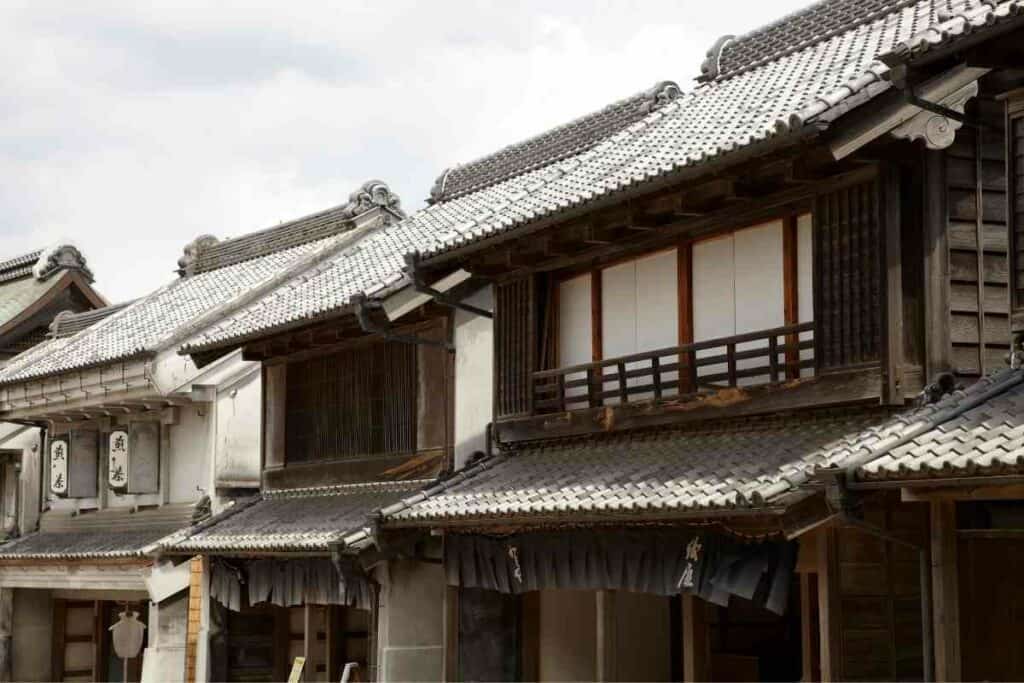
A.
pixel 128 634
pixel 59 467
pixel 117 472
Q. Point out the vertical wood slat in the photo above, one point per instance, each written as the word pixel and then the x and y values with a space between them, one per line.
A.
pixel 623 394
pixel 773 359
pixel 945 597
pixel 59 631
pixel 889 218
pixel 730 352
pixel 936 264
pixel 847 276
pixel 656 377
pixel 514 352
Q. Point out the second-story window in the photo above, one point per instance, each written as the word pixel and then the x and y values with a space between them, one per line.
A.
pixel 357 402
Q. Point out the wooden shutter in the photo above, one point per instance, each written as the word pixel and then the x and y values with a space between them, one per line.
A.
pixel 83 464
pixel 144 458
pixel 513 347
pixel 847 276
pixel 977 238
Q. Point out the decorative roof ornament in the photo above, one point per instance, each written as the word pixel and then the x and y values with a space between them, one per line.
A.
pixel 937 131
pixel 663 93
pixel 187 263
pixel 437 191
pixel 370 195
pixel 712 65
pixel 61 256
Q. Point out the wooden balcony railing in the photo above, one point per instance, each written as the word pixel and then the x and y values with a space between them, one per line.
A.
pixel 755 358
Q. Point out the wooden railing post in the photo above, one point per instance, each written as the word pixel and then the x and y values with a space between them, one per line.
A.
pixel 656 377
pixel 592 388
pixel 623 394
pixel 730 355
pixel 561 393
pixel 773 358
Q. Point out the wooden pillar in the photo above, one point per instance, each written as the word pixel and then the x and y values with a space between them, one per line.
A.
pixel 607 645
pixel 194 621
pixel 828 606
pixel 529 663
pixel 696 643
pixel 936 266
pixel 893 274
pixel 809 627
pixel 945 596
pixel 451 633
pixel 6 632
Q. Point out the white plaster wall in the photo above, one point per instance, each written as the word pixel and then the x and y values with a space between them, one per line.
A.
pixel 411 622
pixel 164 658
pixel 474 377
pixel 29 442
pixel 189 453
pixel 568 635
pixel 31 642
pixel 238 433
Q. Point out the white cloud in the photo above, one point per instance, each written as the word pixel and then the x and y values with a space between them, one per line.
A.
pixel 134 127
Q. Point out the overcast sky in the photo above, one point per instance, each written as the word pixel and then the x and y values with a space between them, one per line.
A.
pixel 131 128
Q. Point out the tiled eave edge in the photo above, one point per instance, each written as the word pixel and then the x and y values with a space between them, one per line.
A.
pixel 77 389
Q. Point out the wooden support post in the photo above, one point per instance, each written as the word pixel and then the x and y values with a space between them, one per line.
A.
pixel 791 297
pixel 308 642
pixel 607 668
pixel 451 633
pixel 696 643
pixel 684 289
pixel 809 627
pixel 893 274
pixel 945 597
pixel 529 664
pixel 828 606
pixel 936 266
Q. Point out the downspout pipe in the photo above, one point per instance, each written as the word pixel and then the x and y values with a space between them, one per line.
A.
pixel 416 277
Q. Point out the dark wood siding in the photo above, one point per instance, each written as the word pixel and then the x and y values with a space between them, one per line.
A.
pixel 1016 167
pixel 847 278
pixel 513 346
pixel 360 401
pixel 978 246
pixel 879 595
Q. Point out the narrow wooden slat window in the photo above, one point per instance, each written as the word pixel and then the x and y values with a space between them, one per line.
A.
pixel 357 402
pixel 514 347
pixel 1015 165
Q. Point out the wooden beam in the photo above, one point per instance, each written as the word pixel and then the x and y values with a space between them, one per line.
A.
pixel 938 349
pixel 696 643
pixel 893 274
pixel 451 633
pixel 607 645
pixel 791 292
pixel 829 616
pixel 945 595
pixel 811 664
pixel 981 491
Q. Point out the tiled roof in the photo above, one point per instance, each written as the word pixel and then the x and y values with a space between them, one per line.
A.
pixel 19 266
pixel 294 520
pixel 792 33
pixel 776 102
pixel 556 144
pixel 176 310
pixel 957 20
pixel 17 295
pixel 109 533
pixel 67 324
pixel 730 466
pixel 985 437
pixel 66 545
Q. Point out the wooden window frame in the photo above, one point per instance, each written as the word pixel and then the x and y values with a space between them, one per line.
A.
pixel 684 283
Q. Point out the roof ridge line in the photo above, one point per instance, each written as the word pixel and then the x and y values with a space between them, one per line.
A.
pixel 804 44
pixel 303 264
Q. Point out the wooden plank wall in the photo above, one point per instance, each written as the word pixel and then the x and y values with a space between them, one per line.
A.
pixel 978 241
pixel 847 276
pixel 878 596
pixel 1015 121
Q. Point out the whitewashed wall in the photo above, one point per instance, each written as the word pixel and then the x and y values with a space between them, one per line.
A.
pixel 238 432
pixel 474 377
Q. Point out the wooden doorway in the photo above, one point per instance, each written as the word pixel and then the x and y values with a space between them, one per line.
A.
pixel 991 608
pixel 82 649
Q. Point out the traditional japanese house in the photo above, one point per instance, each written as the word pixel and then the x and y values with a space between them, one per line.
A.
pixel 363 367
pixel 34 288
pixel 707 307
pixel 140 445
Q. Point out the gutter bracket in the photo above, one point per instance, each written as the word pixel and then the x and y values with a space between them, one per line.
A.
pixel 942 110
pixel 363 308
pixel 412 270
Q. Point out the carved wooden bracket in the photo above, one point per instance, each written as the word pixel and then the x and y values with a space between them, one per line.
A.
pixel 937 131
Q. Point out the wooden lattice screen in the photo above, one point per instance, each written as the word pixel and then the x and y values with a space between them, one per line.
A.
pixel 513 346
pixel 360 401
pixel 847 276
